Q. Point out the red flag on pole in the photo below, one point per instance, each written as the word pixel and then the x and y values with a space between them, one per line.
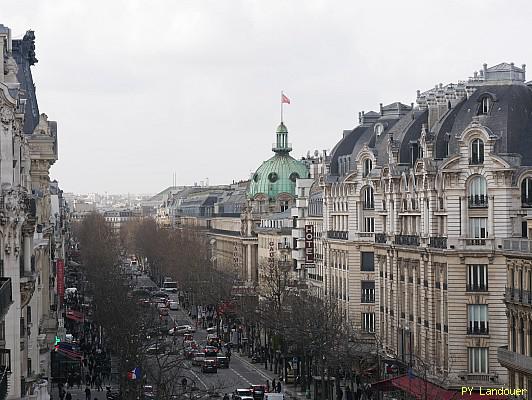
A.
pixel 284 99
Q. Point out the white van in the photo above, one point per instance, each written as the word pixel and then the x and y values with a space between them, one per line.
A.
pixel 170 287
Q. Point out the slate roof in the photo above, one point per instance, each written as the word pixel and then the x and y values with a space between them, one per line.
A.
pixel 510 119
pixel 24 54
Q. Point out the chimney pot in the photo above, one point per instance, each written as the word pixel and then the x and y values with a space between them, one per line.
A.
pixel 523 67
pixel 418 92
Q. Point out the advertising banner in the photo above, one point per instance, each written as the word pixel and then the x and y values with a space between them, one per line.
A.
pixel 60 276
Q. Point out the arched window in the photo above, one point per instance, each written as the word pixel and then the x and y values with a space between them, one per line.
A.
pixel 367 167
pixel 367 198
pixel 485 106
pixel 477 152
pixel 478 192
pixel 526 192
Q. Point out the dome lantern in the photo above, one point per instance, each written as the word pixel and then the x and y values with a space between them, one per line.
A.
pixel 281 146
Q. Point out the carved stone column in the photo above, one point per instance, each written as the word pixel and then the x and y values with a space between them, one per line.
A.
pixel 27 232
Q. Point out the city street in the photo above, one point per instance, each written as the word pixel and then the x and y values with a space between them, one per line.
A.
pixel 240 374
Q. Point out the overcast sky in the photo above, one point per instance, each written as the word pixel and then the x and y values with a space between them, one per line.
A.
pixel 143 89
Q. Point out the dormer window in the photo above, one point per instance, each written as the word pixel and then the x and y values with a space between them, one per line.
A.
pixel 379 128
pixel 485 106
pixel 477 152
pixel 367 167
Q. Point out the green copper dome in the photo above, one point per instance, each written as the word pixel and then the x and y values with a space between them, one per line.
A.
pixel 279 173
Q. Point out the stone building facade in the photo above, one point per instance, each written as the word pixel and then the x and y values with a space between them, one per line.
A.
pixel 422 205
pixel 29 233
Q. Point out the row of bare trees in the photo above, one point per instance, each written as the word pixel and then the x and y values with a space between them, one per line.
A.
pixel 182 254
pixel 129 326
pixel 314 331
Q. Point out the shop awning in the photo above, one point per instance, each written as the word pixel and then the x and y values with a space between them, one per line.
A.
pixel 75 315
pixel 74 355
pixel 422 389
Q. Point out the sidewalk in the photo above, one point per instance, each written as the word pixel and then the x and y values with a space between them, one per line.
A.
pixel 290 390
pixel 79 394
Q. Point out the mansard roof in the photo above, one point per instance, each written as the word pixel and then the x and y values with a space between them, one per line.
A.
pixel 510 119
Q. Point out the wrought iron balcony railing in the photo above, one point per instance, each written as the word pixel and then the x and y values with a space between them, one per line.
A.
pixel 406 240
pixel 342 235
pixel 380 238
pixel 478 201
pixel 438 242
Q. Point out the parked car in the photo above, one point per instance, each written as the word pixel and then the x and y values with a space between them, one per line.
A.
pixel 209 366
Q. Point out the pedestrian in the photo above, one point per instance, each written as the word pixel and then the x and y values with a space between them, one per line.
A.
pixel 87 393
pixel 68 396
pixel 274 386
pixel 70 381
pixel 98 383
pixel 348 393
pixel 87 379
pixel 279 387
pixel 267 385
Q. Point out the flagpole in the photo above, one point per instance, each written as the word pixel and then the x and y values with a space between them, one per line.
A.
pixel 281 106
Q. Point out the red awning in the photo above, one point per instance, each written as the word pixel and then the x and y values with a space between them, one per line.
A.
pixel 75 315
pixel 422 389
pixel 71 354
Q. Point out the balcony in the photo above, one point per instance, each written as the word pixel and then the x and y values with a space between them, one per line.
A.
pixel 380 238
pixel 476 242
pixel 438 242
pixel 518 296
pixel 476 288
pixel 6 297
pixel 341 235
pixel 479 330
pixel 519 245
pixel 514 361
pixel 367 299
pixel 406 240
pixel 478 201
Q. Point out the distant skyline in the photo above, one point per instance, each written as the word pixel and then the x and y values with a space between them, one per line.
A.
pixel 141 89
